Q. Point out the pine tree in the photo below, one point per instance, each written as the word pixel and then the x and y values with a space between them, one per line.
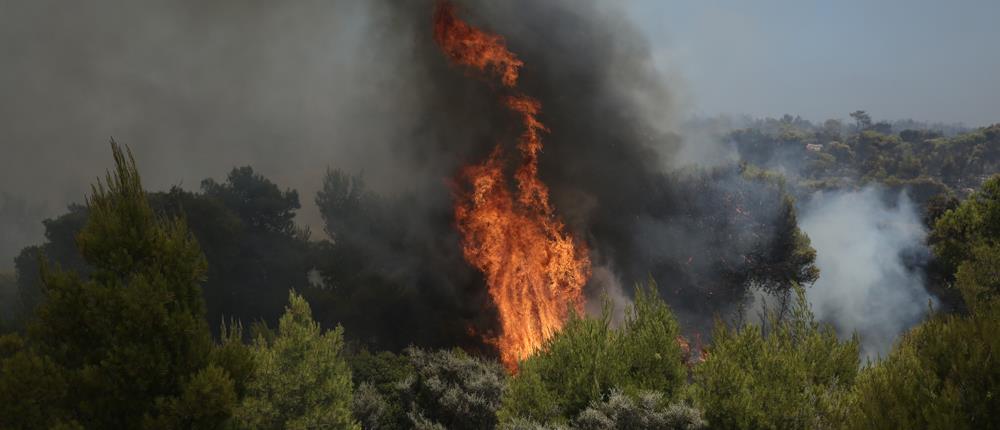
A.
pixel 589 358
pixel 130 341
pixel 792 373
pixel 301 380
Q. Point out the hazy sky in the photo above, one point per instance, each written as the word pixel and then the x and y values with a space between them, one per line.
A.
pixel 919 59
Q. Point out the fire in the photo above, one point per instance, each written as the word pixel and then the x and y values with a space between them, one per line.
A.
pixel 535 270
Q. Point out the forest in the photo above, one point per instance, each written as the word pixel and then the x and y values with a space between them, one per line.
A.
pixel 213 309
pixel 517 215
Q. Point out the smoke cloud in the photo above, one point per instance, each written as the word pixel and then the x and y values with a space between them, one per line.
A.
pixel 870 252
pixel 292 88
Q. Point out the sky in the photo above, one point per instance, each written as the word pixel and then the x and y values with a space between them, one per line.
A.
pixel 926 60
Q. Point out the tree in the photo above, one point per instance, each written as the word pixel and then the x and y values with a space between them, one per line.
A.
pixel 394 274
pixel 256 253
pixel 978 278
pixel 588 358
pixel 259 202
pixel 378 402
pixel 974 223
pixel 943 374
pixel 792 373
pixel 862 120
pixel 130 341
pixel 301 379
pixel 243 226
pixel 60 249
pixel 10 312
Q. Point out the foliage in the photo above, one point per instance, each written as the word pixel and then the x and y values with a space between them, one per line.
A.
pixel 254 252
pixel 974 223
pixel 258 202
pixel 451 389
pixel 427 389
pixel 944 374
pixel 378 402
pixel 646 410
pixel 301 379
pixel 925 159
pixel 131 340
pixel 9 304
pixel 32 389
pixel 387 277
pixel 60 250
pixel 791 373
pixel 589 358
pixel 740 232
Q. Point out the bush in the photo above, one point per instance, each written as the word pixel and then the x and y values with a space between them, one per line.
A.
pixel 300 380
pixel 645 410
pixel 589 358
pixel 792 373
pixel 944 374
pixel 452 390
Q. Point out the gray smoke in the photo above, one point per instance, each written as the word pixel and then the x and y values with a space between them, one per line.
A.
pixel 294 87
pixel 869 252
pixel 291 88
pixel 194 88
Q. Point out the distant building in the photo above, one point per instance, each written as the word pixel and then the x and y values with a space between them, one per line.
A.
pixel 814 147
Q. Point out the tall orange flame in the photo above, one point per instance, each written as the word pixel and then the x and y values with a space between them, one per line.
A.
pixel 535 270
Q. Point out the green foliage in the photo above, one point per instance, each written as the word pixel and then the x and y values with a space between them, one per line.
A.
pixel 789 257
pixel 234 356
pixel 793 373
pixel 648 346
pixel 257 201
pixel 59 250
pixel 207 402
pixel 647 410
pixel 451 389
pixel 589 358
pixel 243 225
pixel 644 410
pixel 974 223
pixel 131 341
pixel 944 374
pixel 9 304
pixel 426 389
pixel 917 158
pixel 378 402
pixel 978 279
pixel 301 379
pixel 32 389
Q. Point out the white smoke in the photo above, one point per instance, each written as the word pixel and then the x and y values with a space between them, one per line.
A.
pixel 868 253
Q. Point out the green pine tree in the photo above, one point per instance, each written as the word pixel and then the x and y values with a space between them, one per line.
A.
pixel 792 373
pixel 128 346
pixel 301 380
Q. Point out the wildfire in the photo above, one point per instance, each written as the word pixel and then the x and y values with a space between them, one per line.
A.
pixel 534 269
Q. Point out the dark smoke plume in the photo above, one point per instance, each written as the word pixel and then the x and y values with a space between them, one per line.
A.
pixel 294 87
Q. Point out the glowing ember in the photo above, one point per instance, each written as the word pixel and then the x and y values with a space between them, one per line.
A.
pixel 534 269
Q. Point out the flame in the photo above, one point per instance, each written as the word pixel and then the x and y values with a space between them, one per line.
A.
pixel 535 270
